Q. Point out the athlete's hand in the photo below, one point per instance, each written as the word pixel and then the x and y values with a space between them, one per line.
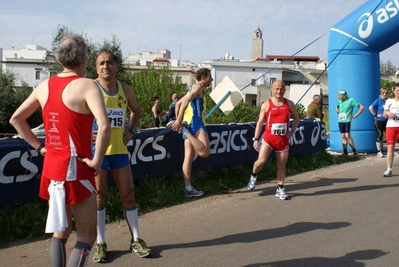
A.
pixel 127 136
pixel 43 151
pixel 91 164
pixel 256 145
pixel 176 126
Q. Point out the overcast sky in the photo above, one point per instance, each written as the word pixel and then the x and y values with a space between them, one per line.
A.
pixel 191 30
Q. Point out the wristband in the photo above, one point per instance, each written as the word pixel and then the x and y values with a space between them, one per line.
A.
pixel 133 130
pixel 40 147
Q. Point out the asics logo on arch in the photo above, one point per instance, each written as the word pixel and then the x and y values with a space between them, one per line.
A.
pixel 384 14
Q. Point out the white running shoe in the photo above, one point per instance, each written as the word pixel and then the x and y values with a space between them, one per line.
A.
pixel 252 183
pixel 387 173
pixel 280 193
pixel 380 155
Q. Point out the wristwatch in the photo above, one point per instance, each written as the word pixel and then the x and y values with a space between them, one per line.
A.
pixel 255 139
pixel 133 130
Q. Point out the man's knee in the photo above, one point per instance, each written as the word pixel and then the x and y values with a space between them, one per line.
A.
pixel 204 154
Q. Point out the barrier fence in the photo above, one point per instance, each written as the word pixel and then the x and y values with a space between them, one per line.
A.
pixel 153 153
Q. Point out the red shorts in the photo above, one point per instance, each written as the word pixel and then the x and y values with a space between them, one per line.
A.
pixel 75 191
pixel 391 134
pixel 277 142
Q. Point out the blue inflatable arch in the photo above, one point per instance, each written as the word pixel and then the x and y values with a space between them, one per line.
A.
pixel 353 54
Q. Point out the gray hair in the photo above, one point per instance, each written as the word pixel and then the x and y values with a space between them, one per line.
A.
pixel 71 50
pixel 315 97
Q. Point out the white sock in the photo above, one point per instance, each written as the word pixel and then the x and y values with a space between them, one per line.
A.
pixel 101 225
pixel 132 219
pixel 189 187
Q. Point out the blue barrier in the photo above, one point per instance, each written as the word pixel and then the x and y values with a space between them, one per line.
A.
pixel 153 153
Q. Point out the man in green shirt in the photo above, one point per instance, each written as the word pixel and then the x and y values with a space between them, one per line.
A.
pixel 313 110
pixel 344 110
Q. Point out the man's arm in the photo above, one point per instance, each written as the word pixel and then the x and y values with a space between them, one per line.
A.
pixel 295 121
pixel 135 113
pixel 24 111
pixel 95 102
pixel 261 120
pixel 361 108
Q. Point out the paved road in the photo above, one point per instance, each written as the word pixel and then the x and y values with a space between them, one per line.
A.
pixel 346 215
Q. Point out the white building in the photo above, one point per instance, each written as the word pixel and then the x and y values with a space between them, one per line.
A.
pixel 303 75
pixel 145 58
pixel 250 76
pixel 26 63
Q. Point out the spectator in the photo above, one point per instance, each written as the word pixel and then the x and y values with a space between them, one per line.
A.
pixel 344 110
pixel 380 122
pixel 170 117
pixel 156 112
pixel 314 109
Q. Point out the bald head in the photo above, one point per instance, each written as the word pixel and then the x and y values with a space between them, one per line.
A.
pixel 278 83
pixel 278 89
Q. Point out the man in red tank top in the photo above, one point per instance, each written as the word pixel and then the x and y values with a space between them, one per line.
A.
pixel 275 115
pixel 69 103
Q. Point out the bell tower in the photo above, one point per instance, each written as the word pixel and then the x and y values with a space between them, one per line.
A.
pixel 257 44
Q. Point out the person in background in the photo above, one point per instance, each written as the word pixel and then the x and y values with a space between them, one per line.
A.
pixel 156 112
pixel 391 111
pixel 170 117
pixel 380 122
pixel 70 103
pixel 344 110
pixel 118 97
pixel 314 109
pixel 190 121
pixel 274 116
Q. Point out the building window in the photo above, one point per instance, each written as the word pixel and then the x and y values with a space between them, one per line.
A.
pixel 38 75
pixel 253 69
pixel 272 80
pixel 253 82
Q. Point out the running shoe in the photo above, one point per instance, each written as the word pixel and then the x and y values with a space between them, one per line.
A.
pixel 252 182
pixel 100 255
pixel 380 155
pixel 140 248
pixel 193 193
pixel 280 193
pixel 387 173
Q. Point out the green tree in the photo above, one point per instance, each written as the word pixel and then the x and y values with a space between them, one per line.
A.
pixel 11 97
pixel 152 82
pixel 301 111
pixel 387 68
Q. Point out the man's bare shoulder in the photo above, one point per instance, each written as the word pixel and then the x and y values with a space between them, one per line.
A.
pixel 83 81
